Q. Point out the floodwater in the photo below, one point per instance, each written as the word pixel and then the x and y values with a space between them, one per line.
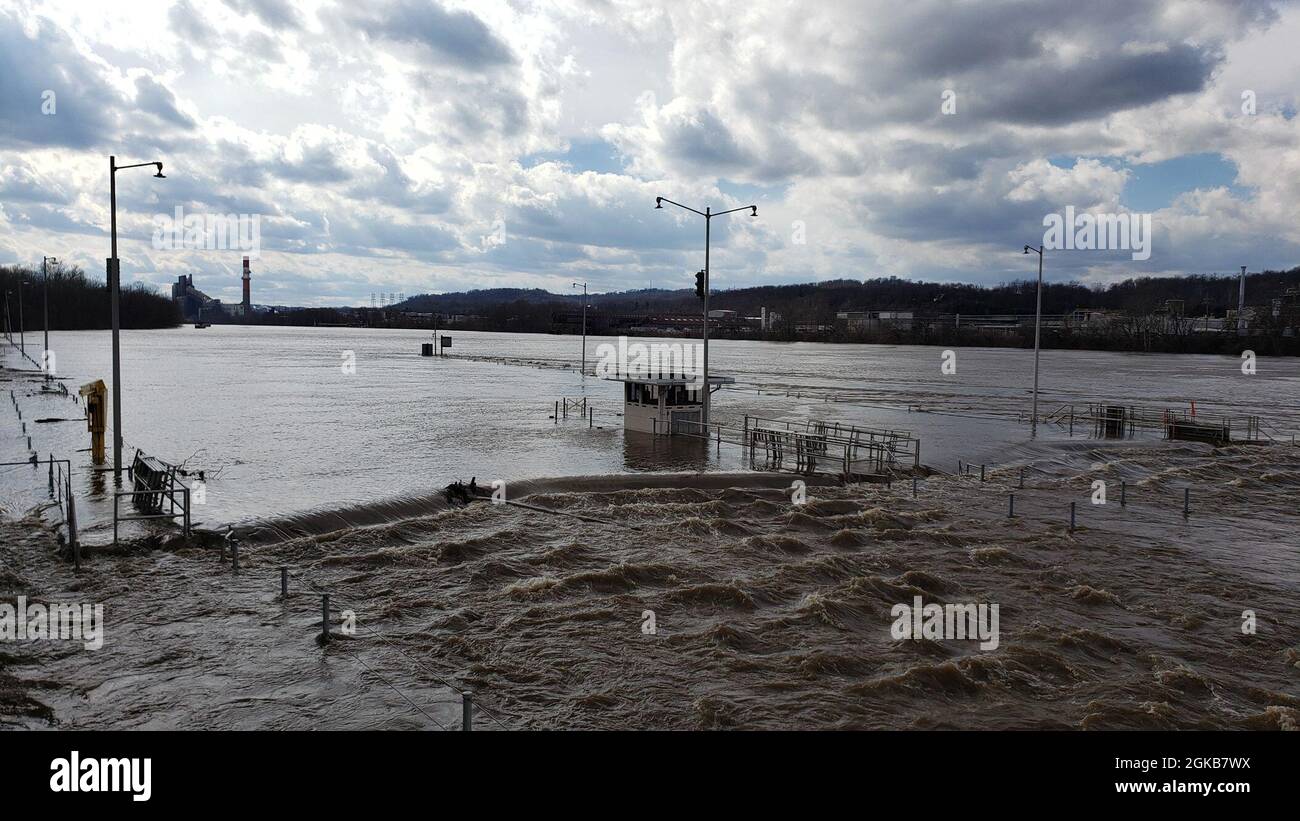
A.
pixel 278 427
pixel 766 613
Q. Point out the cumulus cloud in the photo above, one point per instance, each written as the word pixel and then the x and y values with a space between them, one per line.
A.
pixel 421 146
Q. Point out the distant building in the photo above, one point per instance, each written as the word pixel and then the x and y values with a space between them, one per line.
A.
pixel 193 303
pixel 873 320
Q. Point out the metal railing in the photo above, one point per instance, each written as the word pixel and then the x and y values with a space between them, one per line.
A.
pixel 1114 420
pixel 810 447
pixel 150 498
pixel 60 489
pixel 896 446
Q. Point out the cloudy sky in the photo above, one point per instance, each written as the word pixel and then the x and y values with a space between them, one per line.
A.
pixel 434 145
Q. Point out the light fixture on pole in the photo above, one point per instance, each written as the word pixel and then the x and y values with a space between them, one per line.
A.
pixel 708 215
pixel 115 294
pixel 1038 320
pixel 583 286
pixel 45 310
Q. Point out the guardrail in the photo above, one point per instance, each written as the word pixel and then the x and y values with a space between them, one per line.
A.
pixel 60 487
pixel 1113 420
pixel 153 483
pixel 816 447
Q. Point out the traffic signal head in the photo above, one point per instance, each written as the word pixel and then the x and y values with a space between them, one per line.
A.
pixel 699 284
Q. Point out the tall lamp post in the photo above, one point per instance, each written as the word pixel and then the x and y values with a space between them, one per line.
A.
pixel 583 286
pixel 708 215
pixel 22 339
pixel 114 289
pixel 1038 320
pixel 45 310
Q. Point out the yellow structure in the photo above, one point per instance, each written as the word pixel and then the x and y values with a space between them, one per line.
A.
pixel 96 396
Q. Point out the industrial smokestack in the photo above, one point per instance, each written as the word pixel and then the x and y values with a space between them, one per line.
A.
pixel 248 292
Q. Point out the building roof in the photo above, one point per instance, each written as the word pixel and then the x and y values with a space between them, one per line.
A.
pixel 641 379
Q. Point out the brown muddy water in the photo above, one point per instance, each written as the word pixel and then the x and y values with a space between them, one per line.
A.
pixel 767 613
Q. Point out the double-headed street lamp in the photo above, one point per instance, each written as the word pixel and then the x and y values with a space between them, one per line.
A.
pixel 114 289
pixel 708 215
pixel 583 286
pixel 45 310
pixel 1038 319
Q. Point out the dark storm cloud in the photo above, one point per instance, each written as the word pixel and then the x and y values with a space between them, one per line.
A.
pixel 456 37
pixel 29 67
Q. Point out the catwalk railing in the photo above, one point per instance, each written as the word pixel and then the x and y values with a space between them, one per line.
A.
pixel 154 484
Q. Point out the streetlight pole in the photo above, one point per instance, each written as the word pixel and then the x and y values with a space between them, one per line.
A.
pixel 114 289
pixel 45 310
pixel 583 285
pixel 22 339
pixel 708 215
pixel 1038 320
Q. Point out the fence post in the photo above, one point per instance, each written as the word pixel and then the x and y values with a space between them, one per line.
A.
pixel 52 474
pixel 557 413
pixel 325 617
pixel 187 520
pixel 72 530
pixel 981 473
pixel 466 711
pixel 1022 478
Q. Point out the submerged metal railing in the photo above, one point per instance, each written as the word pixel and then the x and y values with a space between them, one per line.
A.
pixel 1114 420
pixel 808 447
pixel 60 488
pixel 154 483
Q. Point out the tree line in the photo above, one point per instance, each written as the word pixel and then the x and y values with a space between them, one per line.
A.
pixel 80 304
